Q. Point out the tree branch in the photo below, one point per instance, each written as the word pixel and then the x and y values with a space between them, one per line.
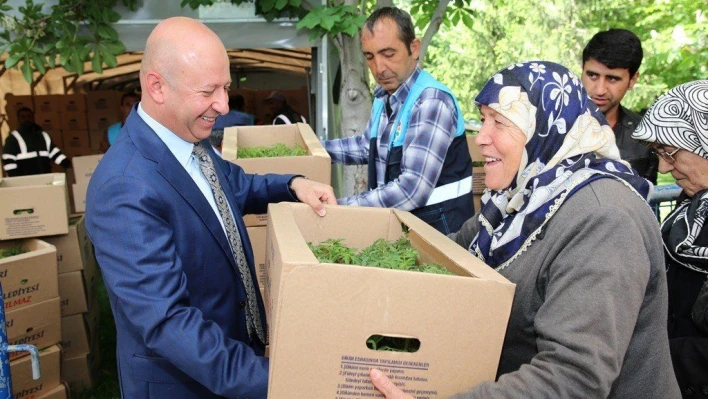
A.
pixel 433 27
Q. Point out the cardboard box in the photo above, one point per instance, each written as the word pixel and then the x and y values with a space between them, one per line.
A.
pixel 33 206
pixel 79 371
pixel 79 194
pixel 72 291
pixel 13 103
pixel 74 121
pixel 478 185
pixel 459 320
pixel 257 235
pixel 23 386
pixel 69 251
pixel 103 101
pixel 38 324
pixel 75 335
pixel 98 121
pixel 73 103
pixel 84 167
pixel 316 165
pixel 51 123
pixel 59 392
pixel 48 103
pixel 76 143
pixel 30 277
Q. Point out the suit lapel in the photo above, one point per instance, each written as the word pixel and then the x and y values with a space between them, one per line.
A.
pixel 151 147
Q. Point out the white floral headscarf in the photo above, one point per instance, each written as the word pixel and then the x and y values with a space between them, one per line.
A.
pixel 568 145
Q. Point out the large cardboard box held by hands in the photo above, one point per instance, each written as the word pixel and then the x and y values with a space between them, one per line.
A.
pixel 316 165
pixel 30 277
pixel 33 206
pixel 321 315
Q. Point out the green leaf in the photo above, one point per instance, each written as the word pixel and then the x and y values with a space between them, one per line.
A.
pixel 26 70
pixel 295 3
pixel 309 21
pixel 328 22
pixel 39 62
pixel 12 60
pixel 467 20
pixel 96 63
pixel 280 4
pixel 351 30
pixel 110 59
pixel 115 47
pixel 103 32
pixel 77 64
pixel 267 5
pixel 5 8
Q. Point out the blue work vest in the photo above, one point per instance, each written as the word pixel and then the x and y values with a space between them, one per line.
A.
pixel 450 202
pixel 113 131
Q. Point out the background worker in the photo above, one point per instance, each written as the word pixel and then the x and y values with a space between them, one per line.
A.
pixel 611 61
pixel 414 143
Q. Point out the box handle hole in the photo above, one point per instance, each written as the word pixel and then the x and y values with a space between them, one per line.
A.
pixel 29 211
pixel 378 342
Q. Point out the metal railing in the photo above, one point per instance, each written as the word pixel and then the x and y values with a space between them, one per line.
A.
pixel 663 199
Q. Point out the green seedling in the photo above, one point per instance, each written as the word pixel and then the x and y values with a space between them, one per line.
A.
pixel 12 251
pixel 397 255
pixel 275 150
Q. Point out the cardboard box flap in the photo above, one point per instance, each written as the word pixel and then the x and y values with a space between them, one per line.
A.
pixel 54 179
pixel 314 146
pixel 292 247
pixel 388 302
pixel 451 250
pixel 339 224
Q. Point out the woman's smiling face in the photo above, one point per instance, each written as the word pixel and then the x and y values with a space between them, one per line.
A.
pixel 502 145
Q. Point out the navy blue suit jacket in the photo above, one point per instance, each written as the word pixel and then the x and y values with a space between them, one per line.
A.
pixel 174 288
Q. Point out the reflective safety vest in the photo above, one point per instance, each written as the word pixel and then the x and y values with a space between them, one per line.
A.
pixel 30 154
pixel 450 203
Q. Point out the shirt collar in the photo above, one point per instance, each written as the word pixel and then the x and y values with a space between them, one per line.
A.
pixel 182 150
pixel 400 95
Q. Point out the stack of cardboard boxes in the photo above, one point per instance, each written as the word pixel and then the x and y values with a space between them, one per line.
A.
pixel 75 122
pixel 254 105
pixel 77 271
pixel 316 165
pixel 30 207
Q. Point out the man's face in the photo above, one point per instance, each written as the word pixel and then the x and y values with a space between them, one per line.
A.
pixel 24 117
pixel 606 86
pixel 387 56
pixel 198 94
pixel 127 105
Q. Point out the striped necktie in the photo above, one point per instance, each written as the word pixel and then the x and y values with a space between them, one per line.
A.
pixel 253 316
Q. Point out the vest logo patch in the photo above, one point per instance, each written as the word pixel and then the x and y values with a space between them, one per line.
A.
pixel 398 131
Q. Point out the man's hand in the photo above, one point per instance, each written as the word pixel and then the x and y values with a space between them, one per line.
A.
pixel 313 193
pixel 386 387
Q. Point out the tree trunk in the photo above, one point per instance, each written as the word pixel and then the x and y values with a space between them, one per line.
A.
pixel 383 3
pixel 355 104
pixel 432 29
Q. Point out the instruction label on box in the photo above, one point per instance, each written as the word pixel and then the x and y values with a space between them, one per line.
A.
pixel 354 381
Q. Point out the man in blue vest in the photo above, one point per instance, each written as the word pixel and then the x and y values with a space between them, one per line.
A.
pixel 126 104
pixel 414 142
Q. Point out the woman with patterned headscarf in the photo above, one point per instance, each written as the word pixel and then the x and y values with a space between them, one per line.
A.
pixel 676 127
pixel 565 219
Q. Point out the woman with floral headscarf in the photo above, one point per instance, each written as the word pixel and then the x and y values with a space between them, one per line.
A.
pixel 566 220
pixel 676 127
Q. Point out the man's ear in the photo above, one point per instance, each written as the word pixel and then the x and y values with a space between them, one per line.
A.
pixel 633 80
pixel 415 48
pixel 155 85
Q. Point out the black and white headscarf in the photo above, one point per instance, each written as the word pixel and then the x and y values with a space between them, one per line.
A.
pixel 679 119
